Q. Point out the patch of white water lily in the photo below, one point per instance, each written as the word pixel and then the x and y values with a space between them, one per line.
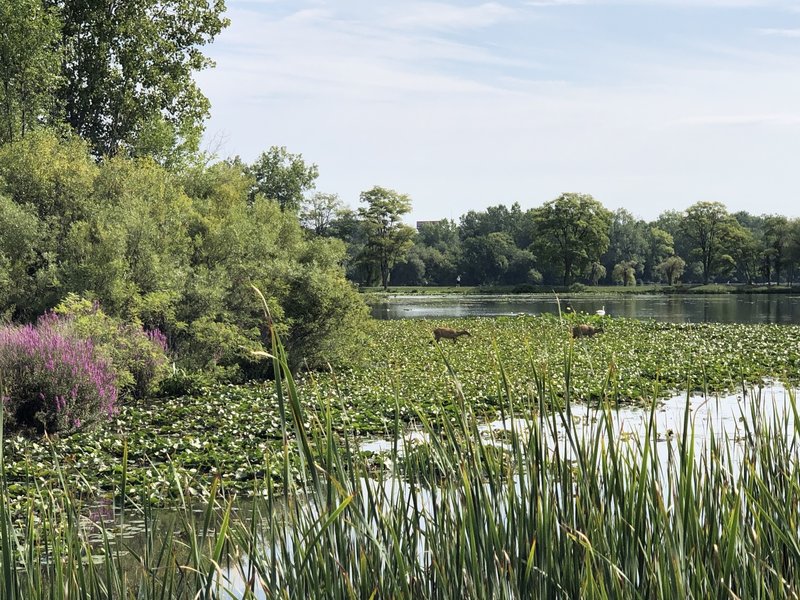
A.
pixel 722 418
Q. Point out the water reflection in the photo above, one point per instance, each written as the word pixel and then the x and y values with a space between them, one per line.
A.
pixel 722 418
pixel 697 308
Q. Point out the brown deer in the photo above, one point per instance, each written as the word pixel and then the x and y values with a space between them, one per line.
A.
pixel 585 330
pixel 449 333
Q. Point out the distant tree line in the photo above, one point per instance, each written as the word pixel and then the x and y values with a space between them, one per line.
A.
pixel 571 239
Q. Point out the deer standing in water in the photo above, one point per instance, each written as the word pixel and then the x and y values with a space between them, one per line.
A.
pixel 449 333
pixel 585 330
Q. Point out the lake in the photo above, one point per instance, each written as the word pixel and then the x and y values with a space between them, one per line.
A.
pixel 695 308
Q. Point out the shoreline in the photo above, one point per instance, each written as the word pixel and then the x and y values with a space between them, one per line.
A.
pixel 579 290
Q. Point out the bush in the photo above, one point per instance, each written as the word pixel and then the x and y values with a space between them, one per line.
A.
pixel 138 357
pixel 181 382
pixel 53 381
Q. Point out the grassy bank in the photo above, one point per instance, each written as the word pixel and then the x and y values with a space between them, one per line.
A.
pixel 597 516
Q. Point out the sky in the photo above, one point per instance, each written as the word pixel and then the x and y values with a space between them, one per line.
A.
pixel 647 105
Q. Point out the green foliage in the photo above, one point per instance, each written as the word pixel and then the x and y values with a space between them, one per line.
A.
pixel 167 252
pixel 671 269
pixel 777 233
pixel 572 232
pixel 136 242
pixel 660 245
pixel 485 258
pixel 137 357
pixel 624 273
pixel 595 272
pixel 284 178
pixel 436 254
pixel 181 382
pixel 387 238
pixel 50 181
pixel 129 72
pixel 237 243
pixel 628 242
pixel 20 231
pixel 53 174
pixel 747 253
pixel 710 231
pixel 30 60
pixel 319 211
pixel 326 316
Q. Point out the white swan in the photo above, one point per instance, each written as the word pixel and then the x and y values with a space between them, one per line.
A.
pixel 602 311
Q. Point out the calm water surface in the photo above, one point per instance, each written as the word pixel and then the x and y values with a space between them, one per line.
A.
pixel 696 308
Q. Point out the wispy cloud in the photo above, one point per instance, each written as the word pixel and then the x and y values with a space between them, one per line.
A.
pixel 788 33
pixel 309 15
pixel 787 4
pixel 779 119
pixel 440 15
pixel 463 105
pixel 554 2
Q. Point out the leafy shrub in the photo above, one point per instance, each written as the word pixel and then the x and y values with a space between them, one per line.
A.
pixel 181 382
pixel 138 357
pixel 54 381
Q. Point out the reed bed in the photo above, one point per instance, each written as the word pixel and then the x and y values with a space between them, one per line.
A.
pixel 592 515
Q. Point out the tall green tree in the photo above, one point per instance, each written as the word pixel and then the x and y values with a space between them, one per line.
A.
pixel 660 245
pixel 388 238
pixel 495 219
pixel 709 229
pixel 30 59
pixel 777 235
pixel 624 273
pixel 747 251
pixel 439 247
pixel 627 242
pixel 128 70
pixel 572 232
pixel 794 250
pixel 486 258
pixel 319 211
pixel 671 269
pixel 283 177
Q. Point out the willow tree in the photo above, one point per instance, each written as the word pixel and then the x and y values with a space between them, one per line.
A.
pixel 388 238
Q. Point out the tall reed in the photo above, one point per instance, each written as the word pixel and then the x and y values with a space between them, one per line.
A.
pixel 541 510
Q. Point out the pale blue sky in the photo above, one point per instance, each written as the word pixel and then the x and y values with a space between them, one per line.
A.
pixel 645 104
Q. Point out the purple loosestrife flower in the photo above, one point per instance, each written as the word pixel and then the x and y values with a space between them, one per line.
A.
pixel 158 338
pixel 55 380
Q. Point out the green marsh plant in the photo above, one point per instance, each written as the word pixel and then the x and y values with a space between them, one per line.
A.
pixel 542 510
